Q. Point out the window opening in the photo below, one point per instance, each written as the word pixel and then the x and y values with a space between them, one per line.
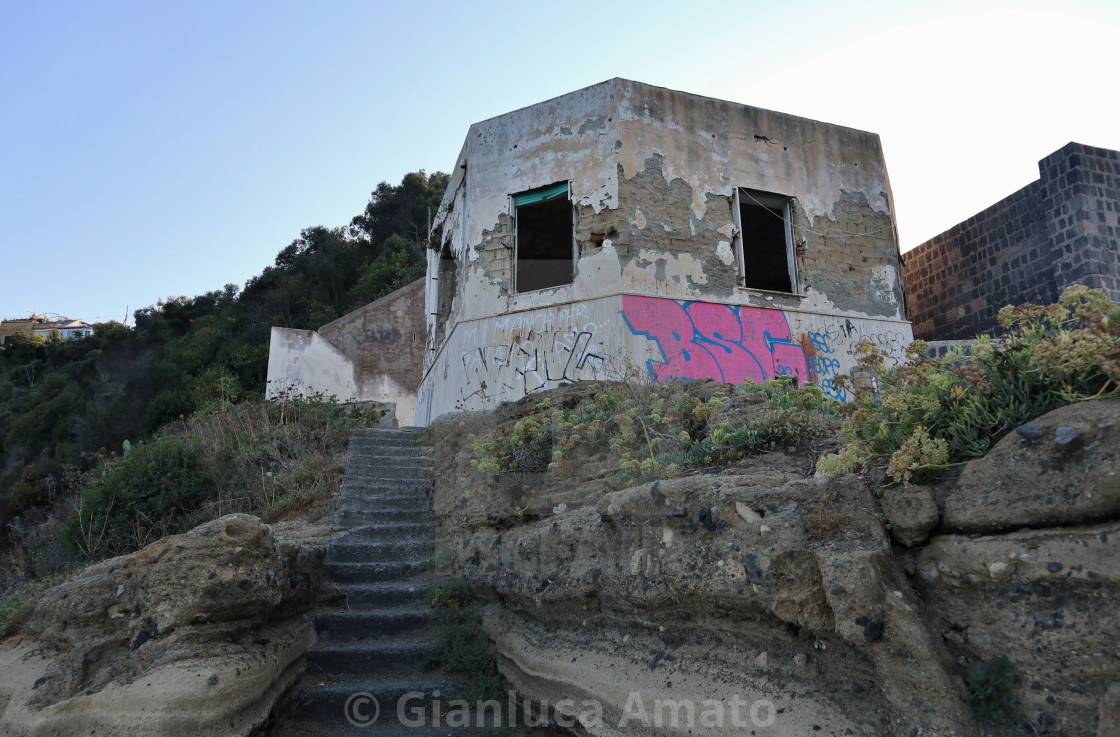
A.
pixel 765 247
pixel 447 277
pixel 545 242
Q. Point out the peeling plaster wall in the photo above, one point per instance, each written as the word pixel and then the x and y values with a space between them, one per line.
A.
pixel 651 177
pixel 375 353
pixel 506 357
pixel 301 362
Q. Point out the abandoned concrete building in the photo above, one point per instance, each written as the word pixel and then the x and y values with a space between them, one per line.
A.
pixel 625 227
pixel 1062 229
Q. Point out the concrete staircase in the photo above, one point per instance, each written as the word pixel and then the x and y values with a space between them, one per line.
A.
pixel 375 623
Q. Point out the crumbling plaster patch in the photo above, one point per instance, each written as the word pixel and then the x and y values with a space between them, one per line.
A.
pixel 851 262
pixel 725 254
pixel 539 146
pixel 714 146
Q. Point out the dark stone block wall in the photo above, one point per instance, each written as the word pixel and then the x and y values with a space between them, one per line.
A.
pixel 1060 230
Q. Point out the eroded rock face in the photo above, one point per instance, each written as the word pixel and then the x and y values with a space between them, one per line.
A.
pixel 1063 468
pixel 805 589
pixel 196 634
pixel 912 513
pixel 1046 599
pixel 848 609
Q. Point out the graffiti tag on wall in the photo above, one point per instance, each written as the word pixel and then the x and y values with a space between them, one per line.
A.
pixel 844 334
pixel 699 340
pixel 824 364
pixel 704 340
pixel 522 354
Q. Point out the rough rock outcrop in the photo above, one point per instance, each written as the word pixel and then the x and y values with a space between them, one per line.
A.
pixel 760 584
pixel 807 594
pixel 195 634
pixel 1063 468
pixel 912 514
pixel 1046 599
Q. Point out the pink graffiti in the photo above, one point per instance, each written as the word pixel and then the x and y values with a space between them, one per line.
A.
pixel 705 340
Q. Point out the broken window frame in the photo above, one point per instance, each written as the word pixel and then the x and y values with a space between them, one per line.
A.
pixel 538 196
pixel 770 201
pixel 446 278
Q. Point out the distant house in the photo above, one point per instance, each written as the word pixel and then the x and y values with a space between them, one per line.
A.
pixel 44 327
pixel 65 329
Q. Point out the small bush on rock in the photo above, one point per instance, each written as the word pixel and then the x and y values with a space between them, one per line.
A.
pixel 464 648
pixel 931 414
pixel 992 691
pixel 660 431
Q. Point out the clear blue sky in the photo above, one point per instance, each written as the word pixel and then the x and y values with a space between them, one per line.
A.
pixel 153 149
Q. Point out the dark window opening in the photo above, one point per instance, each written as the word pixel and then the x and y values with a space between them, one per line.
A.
pixel 544 239
pixel 764 242
pixel 446 279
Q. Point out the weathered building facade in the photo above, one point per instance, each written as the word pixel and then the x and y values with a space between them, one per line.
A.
pixel 1062 229
pixel 625 225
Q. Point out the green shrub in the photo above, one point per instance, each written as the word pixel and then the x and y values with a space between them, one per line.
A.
pixel 27 492
pixel 443 558
pixel 166 407
pixel 218 387
pixel 152 493
pixel 464 648
pixel 992 691
pixel 658 431
pixel 932 414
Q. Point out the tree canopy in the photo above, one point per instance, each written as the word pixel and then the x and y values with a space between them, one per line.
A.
pixel 63 403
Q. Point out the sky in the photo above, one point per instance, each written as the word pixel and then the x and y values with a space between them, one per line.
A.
pixel 151 149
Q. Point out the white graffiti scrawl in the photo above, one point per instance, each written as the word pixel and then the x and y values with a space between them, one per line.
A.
pixel 532 362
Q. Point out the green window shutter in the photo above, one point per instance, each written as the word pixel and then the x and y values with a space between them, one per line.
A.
pixel 540 195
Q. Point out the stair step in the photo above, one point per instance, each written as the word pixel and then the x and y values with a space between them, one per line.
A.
pixel 373 572
pixel 392 441
pixel 348 518
pixel 353 493
pixel 381 469
pixel 388 532
pixel 383 487
pixel 419 473
pixel 383 500
pixel 371 444
pixel 388 594
pixel 325 699
pixel 399 504
pixel 358 625
pixel 410 444
pixel 369 551
pixel 375 431
pixel 367 485
pixel 402 658
pixel 373 464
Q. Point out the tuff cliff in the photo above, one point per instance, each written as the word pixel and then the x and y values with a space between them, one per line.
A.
pixel 808 604
pixel 196 634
